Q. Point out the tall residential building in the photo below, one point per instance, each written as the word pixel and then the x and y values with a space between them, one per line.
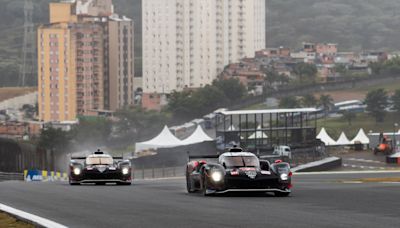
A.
pixel 120 63
pixel 85 59
pixel 187 43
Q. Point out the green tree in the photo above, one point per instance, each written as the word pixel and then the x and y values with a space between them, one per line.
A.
pixel 208 99
pixel 306 72
pixel 396 100
pixel 55 140
pixel 135 125
pixel 326 101
pixel 180 104
pixel 232 88
pixel 92 131
pixel 341 70
pixel 308 100
pixel 377 102
pixel 289 102
pixel 272 77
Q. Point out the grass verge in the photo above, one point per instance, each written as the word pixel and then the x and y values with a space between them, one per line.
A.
pixel 334 126
pixel 8 221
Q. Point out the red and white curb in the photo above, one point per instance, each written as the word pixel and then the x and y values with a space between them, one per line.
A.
pixel 25 216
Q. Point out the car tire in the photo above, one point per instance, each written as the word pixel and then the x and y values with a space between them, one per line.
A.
pixel 282 194
pixel 205 187
pixel 73 183
pixel 188 183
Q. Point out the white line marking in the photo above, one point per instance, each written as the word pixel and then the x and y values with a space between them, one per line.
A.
pixel 364 160
pixel 349 172
pixel 352 182
pixel 161 178
pixel 30 217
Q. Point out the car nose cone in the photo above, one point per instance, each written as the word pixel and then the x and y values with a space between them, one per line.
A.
pixel 101 169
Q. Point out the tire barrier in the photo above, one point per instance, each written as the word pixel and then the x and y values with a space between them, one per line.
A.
pixel 393 159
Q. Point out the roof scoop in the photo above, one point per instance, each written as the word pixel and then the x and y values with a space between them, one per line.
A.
pixel 98 152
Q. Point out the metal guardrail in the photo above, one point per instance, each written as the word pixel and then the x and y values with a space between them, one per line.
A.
pixel 11 176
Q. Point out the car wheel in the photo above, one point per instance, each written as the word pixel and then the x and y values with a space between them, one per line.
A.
pixel 205 187
pixel 189 183
pixel 73 183
pixel 282 194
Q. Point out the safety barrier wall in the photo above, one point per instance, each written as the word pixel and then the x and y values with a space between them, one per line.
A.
pixel 11 176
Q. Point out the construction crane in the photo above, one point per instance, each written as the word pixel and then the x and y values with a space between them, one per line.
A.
pixel 27 68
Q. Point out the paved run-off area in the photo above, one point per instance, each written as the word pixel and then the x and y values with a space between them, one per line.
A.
pixel 318 200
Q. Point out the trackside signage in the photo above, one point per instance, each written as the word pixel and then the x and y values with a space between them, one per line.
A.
pixel 43 175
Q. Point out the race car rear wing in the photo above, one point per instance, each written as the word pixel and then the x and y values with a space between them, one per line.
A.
pixel 83 158
pixel 202 156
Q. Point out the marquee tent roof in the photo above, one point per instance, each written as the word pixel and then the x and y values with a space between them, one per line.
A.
pixel 324 137
pixel 197 136
pixel 231 128
pixel 163 140
pixel 258 134
pixel 361 137
pixel 343 140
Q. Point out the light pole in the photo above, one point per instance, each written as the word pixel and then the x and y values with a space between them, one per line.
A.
pixel 395 125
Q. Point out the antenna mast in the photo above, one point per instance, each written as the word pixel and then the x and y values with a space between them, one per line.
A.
pixel 27 68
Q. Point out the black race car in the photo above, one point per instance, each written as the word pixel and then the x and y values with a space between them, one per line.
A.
pixel 237 171
pixel 100 168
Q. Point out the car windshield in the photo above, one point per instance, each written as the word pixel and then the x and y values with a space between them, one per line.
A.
pixel 99 161
pixel 242 161
pixel 283 168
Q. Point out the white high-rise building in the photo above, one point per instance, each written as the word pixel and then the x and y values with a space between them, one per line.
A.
pixel 187 43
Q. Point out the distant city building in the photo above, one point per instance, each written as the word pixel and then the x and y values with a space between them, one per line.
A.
pixel 187 43
pixel 85 61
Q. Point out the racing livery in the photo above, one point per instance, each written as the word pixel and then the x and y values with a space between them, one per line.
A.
pixel 100 168
pixel 237 171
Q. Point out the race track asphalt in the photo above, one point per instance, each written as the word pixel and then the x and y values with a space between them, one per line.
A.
pixel 318 200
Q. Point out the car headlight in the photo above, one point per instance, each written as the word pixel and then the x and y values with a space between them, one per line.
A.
pixel 216 176
pixel 125 170
pixel 77 171
pixel 284 176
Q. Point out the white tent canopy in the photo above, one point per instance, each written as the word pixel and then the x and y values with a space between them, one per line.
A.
pixel 231 128
pixel 361 137
pixel 163 140
pixel 198 136
pixel 258 134
pixel 343 140
pixel 324 137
